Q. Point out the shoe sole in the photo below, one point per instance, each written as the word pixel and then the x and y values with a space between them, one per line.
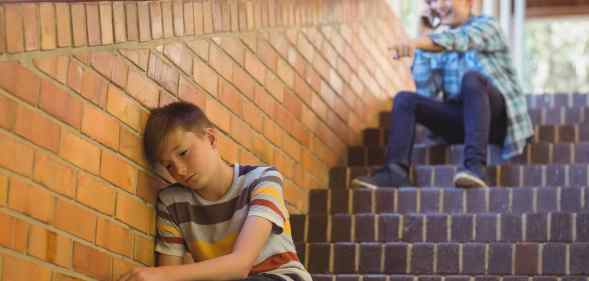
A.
pixel 468 181
pixel 359 183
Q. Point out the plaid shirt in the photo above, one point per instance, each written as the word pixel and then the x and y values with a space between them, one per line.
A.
pixel 477 45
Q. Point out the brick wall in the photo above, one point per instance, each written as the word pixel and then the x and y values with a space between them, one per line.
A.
pixel 289 83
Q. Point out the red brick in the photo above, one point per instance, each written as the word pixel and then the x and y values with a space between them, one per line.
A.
pixel 253 115
pixel 263 149
pixel 14 233
pixel 94 87
pixel 218 16
pixel 118 171
pixel 50 246
pixel 55 175
pixel 218 114
pixel 180 55
pixel 23 83
pixel 250 16
pixel 119 22
pixel 255 67
pixel 3 190
pixel 120 72
pixel 75 219
pixel 96 194
pixel 31 27
pixel 286 73
pixel 57 276
pixel 48 26
pixel 16 156
pixel 198 18
pixel 54 66
pixel 134 212
pixel 188 18
pixel 273 132
pixel 234 47
pixel 296 196
pixel 248 158
pixel 191 93
pixel 267 55
pixel 37 128
pixel 108 131
pixel 102 62
pixel 155 13
pixel 201 48
pixel 132 146
pixel 144 250
pixel 241 132
pixel 31 200
pixel 178 18
pixel 265 101
pixel 283 163
pixel 79 25
pixel 228 149
pixel 93 21
pixel 113 236
pixel 7 113
pixel 221 62
pixel 242 15
pixel 207 15
pixel 124 108
pixel 20 269
pixel 206 77
pixel 79 152
pixel 148 187
pixel 106 22
pixel 142 89
pixel 91 262
pixel 168 24
pixel 144 21
pixel 140 57
pixel 132 21
pixel 230 97
pixel 274 86
pixel 163 73
pixel 234 9
pixel 14 34
pixel 2 31
pixel 244 81
pixel 293 104
pixel 74 76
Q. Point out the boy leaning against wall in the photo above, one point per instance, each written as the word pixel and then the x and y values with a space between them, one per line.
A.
pixel 232 219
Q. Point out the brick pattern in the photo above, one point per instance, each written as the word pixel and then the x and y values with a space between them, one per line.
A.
pixel 288 84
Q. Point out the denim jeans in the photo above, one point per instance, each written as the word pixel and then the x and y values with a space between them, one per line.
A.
pixel 476 118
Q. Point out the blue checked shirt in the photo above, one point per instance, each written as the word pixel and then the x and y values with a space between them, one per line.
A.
pixel 477 45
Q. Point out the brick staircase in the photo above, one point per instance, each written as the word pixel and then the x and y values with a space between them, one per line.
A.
pixel 533 224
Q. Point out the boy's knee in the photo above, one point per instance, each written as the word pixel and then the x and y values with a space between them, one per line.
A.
pixel 472 80
pixel 404 99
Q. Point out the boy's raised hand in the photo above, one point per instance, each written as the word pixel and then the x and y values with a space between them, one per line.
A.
pixel 402 48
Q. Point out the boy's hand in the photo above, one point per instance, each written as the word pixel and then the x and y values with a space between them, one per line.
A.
pixel 403 48
pixel 145 274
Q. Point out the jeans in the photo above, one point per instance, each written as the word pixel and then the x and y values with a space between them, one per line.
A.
pixel 476 118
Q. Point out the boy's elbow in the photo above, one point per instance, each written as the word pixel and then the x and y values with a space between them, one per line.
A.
pixel 242 267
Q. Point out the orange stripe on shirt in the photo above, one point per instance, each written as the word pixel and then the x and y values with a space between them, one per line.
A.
pixel 173 240
pixel 274 262
pixel 268 204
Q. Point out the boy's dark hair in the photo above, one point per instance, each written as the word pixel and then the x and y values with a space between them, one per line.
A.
pixel 163 120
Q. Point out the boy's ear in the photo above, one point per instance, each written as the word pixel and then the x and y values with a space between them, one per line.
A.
pixel 211 135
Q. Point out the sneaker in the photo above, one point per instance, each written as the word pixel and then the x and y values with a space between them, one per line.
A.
pixel 468 179
pixel 392 176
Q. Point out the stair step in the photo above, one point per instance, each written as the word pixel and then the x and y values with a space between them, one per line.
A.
pixel 538 116
pixel 568 100
pixel 542 133
pixel 510 175
pixel 535 153
pixel 445 277
pixel 503 259
pixel 441 228
pixel 449 200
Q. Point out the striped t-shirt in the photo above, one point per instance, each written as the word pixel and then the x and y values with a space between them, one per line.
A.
pixel 187 222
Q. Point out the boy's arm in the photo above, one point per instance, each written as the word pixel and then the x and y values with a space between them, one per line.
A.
pixel 237 265
pixel 163 260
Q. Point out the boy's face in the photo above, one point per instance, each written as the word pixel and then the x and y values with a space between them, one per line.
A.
pixel 190 158
pixel 452 12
